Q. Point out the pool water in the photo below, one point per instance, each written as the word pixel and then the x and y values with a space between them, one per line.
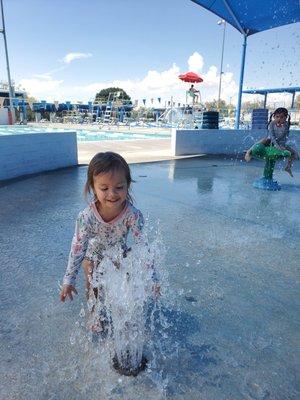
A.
pixel 85 135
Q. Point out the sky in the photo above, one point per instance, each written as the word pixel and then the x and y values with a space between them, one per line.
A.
pixel 63 50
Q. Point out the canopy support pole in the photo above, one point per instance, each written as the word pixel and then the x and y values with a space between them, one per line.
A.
pixel 239 103
pixel 265 100
pixel 293 100
pixel 234 17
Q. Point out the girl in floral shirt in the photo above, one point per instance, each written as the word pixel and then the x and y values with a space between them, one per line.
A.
pixel 105 223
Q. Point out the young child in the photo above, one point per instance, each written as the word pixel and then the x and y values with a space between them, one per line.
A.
pixel 105 223
pixel 279 128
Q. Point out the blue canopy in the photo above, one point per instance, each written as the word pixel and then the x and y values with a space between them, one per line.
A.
pixel 254 16
pixel 250 17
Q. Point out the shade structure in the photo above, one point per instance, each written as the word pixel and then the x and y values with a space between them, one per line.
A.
pixel 250 17
pixel 191 77
pixel 254 16
pixel 289 89
pixel 265 92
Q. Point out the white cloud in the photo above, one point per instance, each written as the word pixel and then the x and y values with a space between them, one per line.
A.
pixel 75 56
pixel 42 87
pixel 211 77
pixel 47 75
pixel 211 81
pixel 195 62
pixel 154 84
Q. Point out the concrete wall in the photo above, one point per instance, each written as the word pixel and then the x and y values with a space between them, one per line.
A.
pixel 3 116
pixel 218 141
pixel 24 154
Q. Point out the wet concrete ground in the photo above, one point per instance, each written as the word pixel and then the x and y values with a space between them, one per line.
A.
pixel 233 260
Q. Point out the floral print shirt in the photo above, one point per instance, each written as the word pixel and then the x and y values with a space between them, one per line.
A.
pixel 93 236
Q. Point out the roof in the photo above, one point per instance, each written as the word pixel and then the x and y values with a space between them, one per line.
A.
pixel 254 16
pixel 290 89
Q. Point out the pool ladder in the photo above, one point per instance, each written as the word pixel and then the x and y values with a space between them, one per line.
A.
pixel 112 97
pixel 107 114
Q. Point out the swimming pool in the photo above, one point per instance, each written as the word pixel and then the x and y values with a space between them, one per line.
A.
pixel 85 135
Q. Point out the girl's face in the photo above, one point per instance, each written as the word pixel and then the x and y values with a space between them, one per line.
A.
pixel 279 118
pixel 111 190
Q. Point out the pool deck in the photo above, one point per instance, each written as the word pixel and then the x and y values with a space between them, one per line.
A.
pixel 134 151
pixel 233 260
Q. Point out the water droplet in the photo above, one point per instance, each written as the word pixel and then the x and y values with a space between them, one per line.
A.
pixel 82 313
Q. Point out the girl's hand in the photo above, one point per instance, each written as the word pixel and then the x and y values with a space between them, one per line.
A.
pixel 67 291
pixel 156 290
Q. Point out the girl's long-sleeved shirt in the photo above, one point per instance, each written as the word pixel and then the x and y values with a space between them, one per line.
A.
pixel 93 236
pixel 278 134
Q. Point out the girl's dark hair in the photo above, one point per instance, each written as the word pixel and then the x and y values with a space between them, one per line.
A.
pixel 281 110
pixel 103 163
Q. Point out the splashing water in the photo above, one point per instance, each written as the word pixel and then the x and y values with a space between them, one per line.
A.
pixel 125 286
pixel 137 328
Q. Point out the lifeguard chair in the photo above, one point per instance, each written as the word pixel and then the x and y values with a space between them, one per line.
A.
pixel 191 77
pixel 191 95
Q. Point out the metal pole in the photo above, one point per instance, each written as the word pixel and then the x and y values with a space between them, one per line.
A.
pixel 11 91
pixel 221 69
pixel 239 103
pixel 171 119
pixel 293 100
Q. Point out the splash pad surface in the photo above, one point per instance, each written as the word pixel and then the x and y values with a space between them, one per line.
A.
pixel 232 257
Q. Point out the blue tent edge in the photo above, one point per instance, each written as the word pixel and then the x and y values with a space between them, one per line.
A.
pixel 250 26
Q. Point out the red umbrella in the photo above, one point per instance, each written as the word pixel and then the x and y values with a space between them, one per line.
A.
pixel 190 77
